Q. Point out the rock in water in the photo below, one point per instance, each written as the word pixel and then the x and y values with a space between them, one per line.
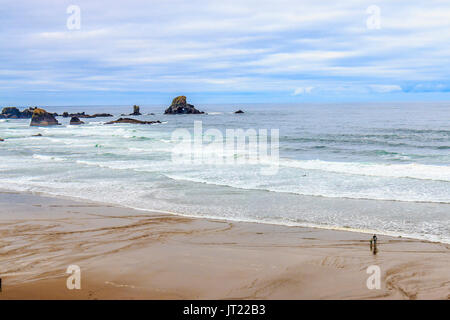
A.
pixel 84 115
pixel 132 121
pixel 11 113
pixel 239 111
pixel 179 106
pixel 14 113
pixel 135 111
pixel 75 121
pixel 28 113
pixel 1 139
pixel 43 118
pixel 99 115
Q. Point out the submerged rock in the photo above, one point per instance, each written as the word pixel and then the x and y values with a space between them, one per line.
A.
pixel 132 121
pixel 84 115
pixel 239 111
pixel 99 115
pixel 75 121
pixel 179 106
pixel 43 118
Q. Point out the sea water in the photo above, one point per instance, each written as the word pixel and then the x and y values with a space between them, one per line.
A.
pixel 370 167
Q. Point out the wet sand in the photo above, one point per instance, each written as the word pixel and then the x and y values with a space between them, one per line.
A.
pixel 130 254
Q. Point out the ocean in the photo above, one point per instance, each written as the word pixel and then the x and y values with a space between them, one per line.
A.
pixel 370 167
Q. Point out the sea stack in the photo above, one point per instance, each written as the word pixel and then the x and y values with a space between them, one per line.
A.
pixel 75 121
pixel 135 111
pixel 43 118
pixel 179 106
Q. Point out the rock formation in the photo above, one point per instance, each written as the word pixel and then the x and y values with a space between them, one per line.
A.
pixel 14 113
pixel 75 121
pixel 133 121
pixel 84 115
pixel 42 118
pixel 239 111
pixel 135 111
pixel 179 106
pixel 11 113
pixel 99 115
pixel 28 113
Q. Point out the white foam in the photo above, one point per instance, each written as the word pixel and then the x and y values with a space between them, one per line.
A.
pixel 48 158
pixel 412 170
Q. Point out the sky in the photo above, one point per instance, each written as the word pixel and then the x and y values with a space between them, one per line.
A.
pixel 247 51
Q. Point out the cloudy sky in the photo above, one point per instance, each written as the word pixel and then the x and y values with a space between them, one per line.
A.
pixel 223 51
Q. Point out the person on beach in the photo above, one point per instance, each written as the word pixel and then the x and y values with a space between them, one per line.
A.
pixel 374 239
pixel 373 244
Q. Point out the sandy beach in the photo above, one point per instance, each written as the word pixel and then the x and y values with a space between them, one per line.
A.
pixel 130 254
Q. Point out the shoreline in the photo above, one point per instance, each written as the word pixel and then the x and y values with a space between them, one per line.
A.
pixel 130 254
pixel 207 217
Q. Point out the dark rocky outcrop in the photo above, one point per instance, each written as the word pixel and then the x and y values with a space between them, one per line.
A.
pixel 99 115
pixel 136 111
pixel 239 111
pixel 14 113
pixel 75 121
pixel 132 121
pixel 179 106
pixel 84 115
pixel 42 118
pixel 37 135
pixel 11 113
pixel 27 113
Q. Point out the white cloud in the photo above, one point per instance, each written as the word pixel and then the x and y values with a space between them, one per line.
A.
pixel 286 46
pixel 302 90
pixel 384 88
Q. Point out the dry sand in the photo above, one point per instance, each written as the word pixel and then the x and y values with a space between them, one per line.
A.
pixel 129 254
